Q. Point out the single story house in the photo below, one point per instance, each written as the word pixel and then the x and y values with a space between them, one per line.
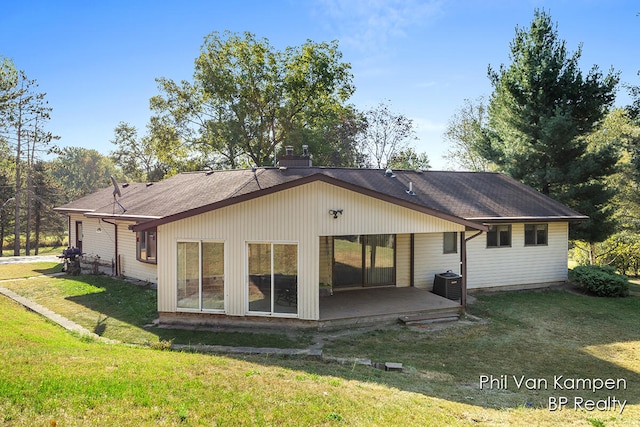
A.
pixel 277 242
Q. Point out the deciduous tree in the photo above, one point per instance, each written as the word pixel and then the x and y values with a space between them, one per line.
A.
pixel 409 159
pixel 148 158
pixel 83 171
pixel 247 98
pixel 386 135
pixel 464 133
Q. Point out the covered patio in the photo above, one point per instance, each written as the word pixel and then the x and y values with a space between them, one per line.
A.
pixel 383 305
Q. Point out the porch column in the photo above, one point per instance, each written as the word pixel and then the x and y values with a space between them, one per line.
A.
pixel 463 264
pixel 463 269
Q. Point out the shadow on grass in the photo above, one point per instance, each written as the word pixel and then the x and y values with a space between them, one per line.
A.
pixel 52 270
pixel 553 343
pixel 135 305
pixel 533 337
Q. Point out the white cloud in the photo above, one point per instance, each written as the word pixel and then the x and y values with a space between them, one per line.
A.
pixel 424 85
pixel 427 125
pixel 368 25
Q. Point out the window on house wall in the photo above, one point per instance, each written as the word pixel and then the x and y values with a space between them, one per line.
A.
pixel 200 275
pixel 499 236
pixel 146 246
pixel 273 278
pixel 450 243
pixel 536 234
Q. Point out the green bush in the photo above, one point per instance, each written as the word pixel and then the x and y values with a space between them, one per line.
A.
pixel 602 281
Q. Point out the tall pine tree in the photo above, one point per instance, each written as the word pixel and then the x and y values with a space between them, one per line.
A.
pixel 540 111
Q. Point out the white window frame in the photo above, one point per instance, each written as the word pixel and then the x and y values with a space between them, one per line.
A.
pixel 200 309
pixel 271 313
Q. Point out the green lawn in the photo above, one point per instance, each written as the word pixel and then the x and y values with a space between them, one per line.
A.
pixel 24 270
pixel 47 374
pixel 43 250
pixel 119 310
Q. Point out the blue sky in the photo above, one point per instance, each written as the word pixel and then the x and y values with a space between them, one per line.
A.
pixel 97 60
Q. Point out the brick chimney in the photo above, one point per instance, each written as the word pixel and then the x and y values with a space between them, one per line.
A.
pixel 292 160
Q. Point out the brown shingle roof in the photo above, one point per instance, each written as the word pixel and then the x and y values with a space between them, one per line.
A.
pixel 464 197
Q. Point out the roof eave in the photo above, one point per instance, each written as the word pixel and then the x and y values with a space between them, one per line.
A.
pixel 62 209
pixel 122 216
pixel 555 218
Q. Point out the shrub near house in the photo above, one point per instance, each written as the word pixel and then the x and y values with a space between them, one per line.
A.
pixel 602 281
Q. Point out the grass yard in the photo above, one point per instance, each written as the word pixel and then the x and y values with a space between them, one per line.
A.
pixel 24 270
pixel 43 250
pixel 47 374
pixel 119 310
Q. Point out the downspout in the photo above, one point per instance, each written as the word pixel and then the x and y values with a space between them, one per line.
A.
pixel 463 265
pixel 115 229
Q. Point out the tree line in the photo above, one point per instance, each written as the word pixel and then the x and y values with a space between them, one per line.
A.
pixel 24 113
pixel 245 103
pixel 547 123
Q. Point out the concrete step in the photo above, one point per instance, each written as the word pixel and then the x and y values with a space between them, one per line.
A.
pixel 443 316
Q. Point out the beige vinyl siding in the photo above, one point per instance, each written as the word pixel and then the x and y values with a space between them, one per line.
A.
pixel 326 254
pixel 430 259
pixel 273 218
pixel 73 218
pixel 518 264
pixel 129 265
pixel 403 260
pixel 99 240
pixel 300 215
pixel 367 215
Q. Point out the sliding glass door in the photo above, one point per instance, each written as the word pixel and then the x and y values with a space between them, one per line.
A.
pixel 200 275
pixel 273 278
pixel 363 260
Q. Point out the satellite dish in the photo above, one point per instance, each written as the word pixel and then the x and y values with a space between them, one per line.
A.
pixel 116 189
pixel 116 192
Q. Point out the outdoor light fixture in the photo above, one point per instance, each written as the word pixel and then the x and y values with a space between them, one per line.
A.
pixel 335 212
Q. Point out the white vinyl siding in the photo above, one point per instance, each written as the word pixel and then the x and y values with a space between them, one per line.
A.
pixel 367 215
pixel 98 237
pixel 429 259
pixel 518 264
